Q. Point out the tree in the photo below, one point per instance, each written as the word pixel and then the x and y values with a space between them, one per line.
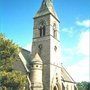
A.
pixel 83 85
pixel 8 54
pixel 88 87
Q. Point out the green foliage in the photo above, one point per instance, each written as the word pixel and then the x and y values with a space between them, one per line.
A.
pixel 88 87
pixel 14 78
pixel 8 54
pixel 83 85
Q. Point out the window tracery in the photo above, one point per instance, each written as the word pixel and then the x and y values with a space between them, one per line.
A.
pixel 42 29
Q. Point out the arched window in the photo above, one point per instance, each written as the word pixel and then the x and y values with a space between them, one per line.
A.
pixel 54 31
pixel 42 29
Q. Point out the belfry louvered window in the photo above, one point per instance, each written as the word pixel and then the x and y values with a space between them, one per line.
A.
pixel 42 29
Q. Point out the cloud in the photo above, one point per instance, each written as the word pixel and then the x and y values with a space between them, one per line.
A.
pixel 69 31
pixel 80 70
pixel 77 59
pixel 85 23
pixel 67 55
pixel 28 47
pixel 83 44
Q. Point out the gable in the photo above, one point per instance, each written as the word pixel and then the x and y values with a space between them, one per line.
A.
pixel 65 76
pixel 22 63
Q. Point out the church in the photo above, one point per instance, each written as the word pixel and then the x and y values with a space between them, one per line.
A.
pixel 43 64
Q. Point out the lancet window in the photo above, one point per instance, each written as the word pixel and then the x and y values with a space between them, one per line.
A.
pixel 42 29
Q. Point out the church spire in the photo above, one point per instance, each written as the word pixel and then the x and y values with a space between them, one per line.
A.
pixel 46 8
pixel 47 0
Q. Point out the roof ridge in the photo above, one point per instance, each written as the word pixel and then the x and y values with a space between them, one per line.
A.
pixel 24 49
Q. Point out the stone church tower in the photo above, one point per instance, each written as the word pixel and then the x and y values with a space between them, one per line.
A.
pixel 46 43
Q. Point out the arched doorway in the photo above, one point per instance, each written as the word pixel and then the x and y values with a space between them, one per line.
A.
pixel 55 88
pixel 63 87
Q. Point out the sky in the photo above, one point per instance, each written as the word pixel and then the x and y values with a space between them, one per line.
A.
pixel 16 23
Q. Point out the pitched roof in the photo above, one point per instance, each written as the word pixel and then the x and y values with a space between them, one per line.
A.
pixel 25 57
pixel 46 8
pixel 65 76
pixel 26 54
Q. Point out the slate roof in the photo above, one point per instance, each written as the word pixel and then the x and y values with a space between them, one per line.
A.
pixel 65 76
pixel 26 54
pixel 25 57
pixel 46 8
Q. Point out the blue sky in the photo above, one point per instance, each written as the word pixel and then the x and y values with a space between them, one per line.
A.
pixel 16 22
